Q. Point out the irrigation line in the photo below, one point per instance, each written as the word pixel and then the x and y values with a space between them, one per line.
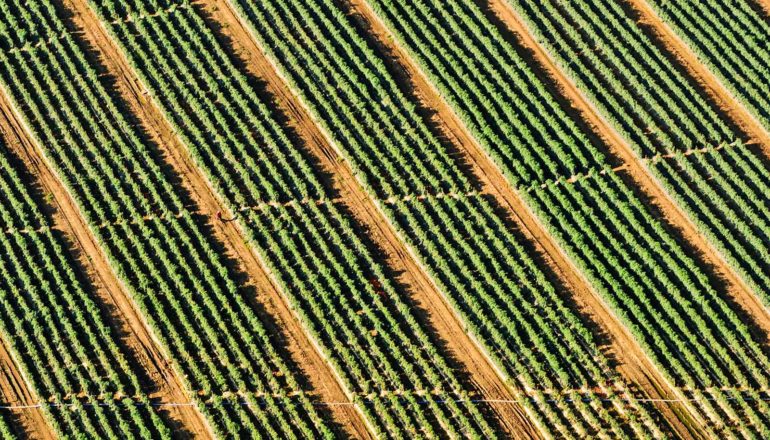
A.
pixel 420 402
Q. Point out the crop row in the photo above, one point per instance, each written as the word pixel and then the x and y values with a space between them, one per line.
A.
pixel 347 299
pixel 733 40
pixel 61 338
pixel 173 270
pixel 659 110
pixel 6 430
pixel 637 266
pixel 505 298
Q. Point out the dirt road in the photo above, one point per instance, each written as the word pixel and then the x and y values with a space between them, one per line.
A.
pixel 424 294
pixel 323 383
pixel 637 169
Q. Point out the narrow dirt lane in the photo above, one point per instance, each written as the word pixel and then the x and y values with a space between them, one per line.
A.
pixel 436 311
pixel 634 364
pixel 305 354
pixel 163 382
pixel 29 422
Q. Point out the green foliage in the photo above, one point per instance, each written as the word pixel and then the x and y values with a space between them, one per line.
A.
pixel 637 266
pixel 162 253
pixel 370 334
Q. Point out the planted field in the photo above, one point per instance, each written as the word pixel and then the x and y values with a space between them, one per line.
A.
pixel 704 162
pixel 383 218
pixel 457 235
pixel 733 40
pixel 155 243
pixel 308 243
pixel 598 218
pixel 61 339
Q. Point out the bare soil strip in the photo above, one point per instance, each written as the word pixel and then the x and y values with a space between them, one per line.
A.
pixel 304 352
pixel 164 384
pixel 423 292
pixel 29 422
pixel 634 364
pixel 738 290
pixel 765 5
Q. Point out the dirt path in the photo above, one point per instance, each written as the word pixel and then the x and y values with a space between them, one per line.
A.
pixel 164 384
pixel 443 322
pixel 765 5
pixel 634 365
pixel 30 422
pixel 304 352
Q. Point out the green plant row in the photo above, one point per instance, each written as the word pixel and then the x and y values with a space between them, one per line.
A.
pixel 651 101
pixel 6 429
pixel 656 289
pixel 350 303
pixel 731 39
pixel 172 268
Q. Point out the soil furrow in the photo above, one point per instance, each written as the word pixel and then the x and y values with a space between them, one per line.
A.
pixel 430 302
pixel 274 308
pixel 14 390
pixel 744 119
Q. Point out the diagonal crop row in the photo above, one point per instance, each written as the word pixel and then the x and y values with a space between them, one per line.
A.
pixel 59 335
pixel 345 297
pixel 6 431
pixel 506 300
pixel 656 289
pixel 659 110
pixel 172 269
pixel 733 40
